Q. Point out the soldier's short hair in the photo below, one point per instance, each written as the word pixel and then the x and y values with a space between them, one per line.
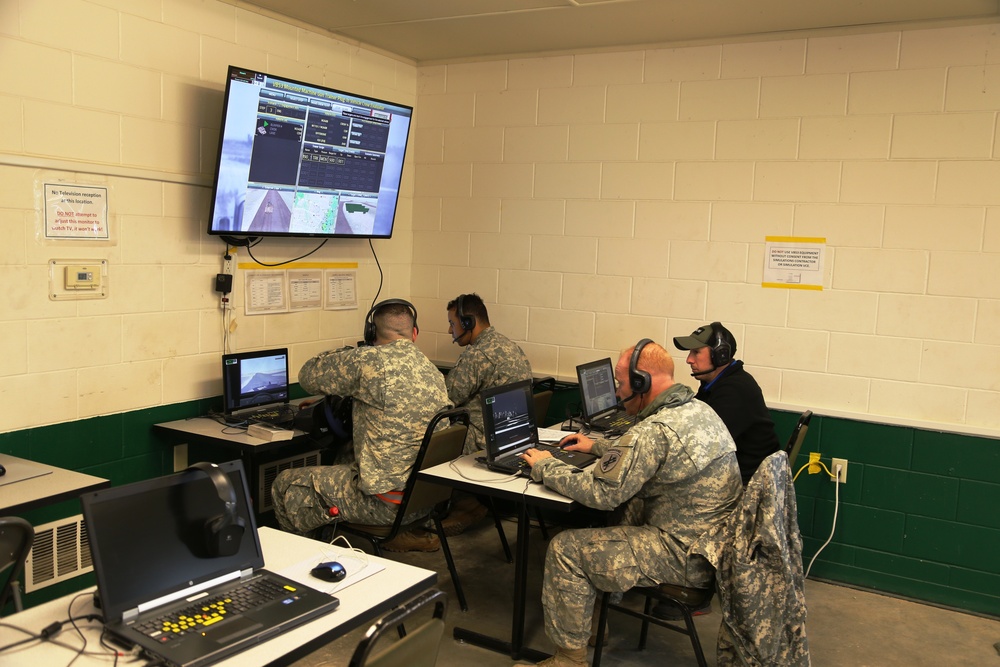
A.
pixel 393 321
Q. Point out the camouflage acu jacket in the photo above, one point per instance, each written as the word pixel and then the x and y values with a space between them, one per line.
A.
pixel 492 361
pixel 758 555
pixel 396 391
pixel 680 461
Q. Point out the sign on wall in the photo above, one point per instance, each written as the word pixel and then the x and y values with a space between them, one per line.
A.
pixel 793 262
pixel 76 212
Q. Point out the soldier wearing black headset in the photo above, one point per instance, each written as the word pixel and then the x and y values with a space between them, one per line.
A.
pixel 395 390
pixel 675 470
pixel 488 359
pixel 732 392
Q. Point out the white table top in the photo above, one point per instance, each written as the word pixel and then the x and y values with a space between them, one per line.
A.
pixel 364 597
pixel 28 484
pixel 468 474
pixel 207 427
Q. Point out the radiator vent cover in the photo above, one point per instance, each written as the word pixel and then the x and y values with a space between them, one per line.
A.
pixel 268 471
pixel 60 551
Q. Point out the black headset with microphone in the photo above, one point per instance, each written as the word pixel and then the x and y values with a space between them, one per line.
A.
pixel 223 532
pixel 370 332
pixel 466 322
pixel 721 348
pixel 639 382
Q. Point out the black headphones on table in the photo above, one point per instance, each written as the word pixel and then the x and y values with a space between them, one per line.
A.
pixel 467 321
pixel 223 532
pixel 639 382
pixel 721 347
pixel 370 331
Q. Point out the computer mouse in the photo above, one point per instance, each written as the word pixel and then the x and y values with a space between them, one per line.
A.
pixel 3 471
pixel 329 571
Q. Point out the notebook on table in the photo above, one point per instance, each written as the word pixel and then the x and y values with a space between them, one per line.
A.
pixel 510 429
pixel 601 410
pixel 255 387
pixel 180 577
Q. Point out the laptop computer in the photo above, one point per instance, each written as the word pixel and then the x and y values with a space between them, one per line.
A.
pixel 255 386
pixel 510 429
pixel 160 586
pixel 601 410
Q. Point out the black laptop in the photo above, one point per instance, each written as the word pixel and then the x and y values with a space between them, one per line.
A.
pixel 601 410
pixel 510 429
pixel 162 583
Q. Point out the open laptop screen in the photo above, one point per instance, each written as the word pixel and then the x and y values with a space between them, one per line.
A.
pixel 253 379
pixel 509 418
pixel 147 539
pixel 597 387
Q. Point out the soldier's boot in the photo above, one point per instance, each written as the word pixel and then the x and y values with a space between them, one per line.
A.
pixel 564 657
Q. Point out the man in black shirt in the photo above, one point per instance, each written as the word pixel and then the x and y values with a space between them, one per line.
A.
pixel 732 392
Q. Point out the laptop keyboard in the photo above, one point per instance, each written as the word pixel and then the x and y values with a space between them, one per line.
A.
pixel 617 422
pixel 209 611
pixel 516 463
pixel 271 415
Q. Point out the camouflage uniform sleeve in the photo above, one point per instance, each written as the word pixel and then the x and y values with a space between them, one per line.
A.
pixel 334 372
pixel 463 381
pixel 625 466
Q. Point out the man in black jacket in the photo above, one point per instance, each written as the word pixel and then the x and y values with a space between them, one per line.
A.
pixel 732 392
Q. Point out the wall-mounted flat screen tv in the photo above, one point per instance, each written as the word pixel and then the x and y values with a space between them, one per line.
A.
pixel 297 159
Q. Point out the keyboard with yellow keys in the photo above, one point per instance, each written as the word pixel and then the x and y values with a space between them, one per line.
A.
pixel 207 612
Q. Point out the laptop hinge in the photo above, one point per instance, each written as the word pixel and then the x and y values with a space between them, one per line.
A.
pixel 246 574
pixel 130 615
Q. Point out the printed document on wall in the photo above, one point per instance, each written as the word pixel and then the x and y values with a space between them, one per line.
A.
pixel 793 262
pixel 341 289
pixel 265 292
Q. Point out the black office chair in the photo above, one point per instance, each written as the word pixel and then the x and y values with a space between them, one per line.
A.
pixel 686 600
pixel 797 437
pixel 438 446
pixel 416 648
pixel 16 537
pixel 543 389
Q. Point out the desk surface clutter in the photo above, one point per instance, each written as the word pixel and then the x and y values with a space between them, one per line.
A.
pixel 372 587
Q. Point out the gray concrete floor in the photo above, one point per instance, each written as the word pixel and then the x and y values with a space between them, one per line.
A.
pixel 846 627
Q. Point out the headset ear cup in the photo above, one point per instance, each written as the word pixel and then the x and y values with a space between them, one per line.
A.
pixel 467 322
pixel 721 352
pixel 223 532
pixel 222 536
pixel 640 382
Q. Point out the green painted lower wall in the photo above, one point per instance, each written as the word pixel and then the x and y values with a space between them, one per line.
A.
pixel 917 517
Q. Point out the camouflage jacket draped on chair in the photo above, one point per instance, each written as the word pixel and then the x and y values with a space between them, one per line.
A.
pixel 757 554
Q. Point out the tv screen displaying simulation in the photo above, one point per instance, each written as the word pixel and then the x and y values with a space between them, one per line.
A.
pixel 297 159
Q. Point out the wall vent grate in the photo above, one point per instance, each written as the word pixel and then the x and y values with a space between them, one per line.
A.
pixel 268 471
pixel 60 551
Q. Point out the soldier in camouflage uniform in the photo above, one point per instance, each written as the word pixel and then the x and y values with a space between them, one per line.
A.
pixel 489 359
pixel 396 391
pixel 679 461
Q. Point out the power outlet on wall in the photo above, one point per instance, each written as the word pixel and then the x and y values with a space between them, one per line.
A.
pixel 842 473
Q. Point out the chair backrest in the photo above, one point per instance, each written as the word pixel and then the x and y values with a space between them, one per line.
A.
pixel 543 389
pixel 438 446
pixel 417 648
pixel 16 537
pixel 798 436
